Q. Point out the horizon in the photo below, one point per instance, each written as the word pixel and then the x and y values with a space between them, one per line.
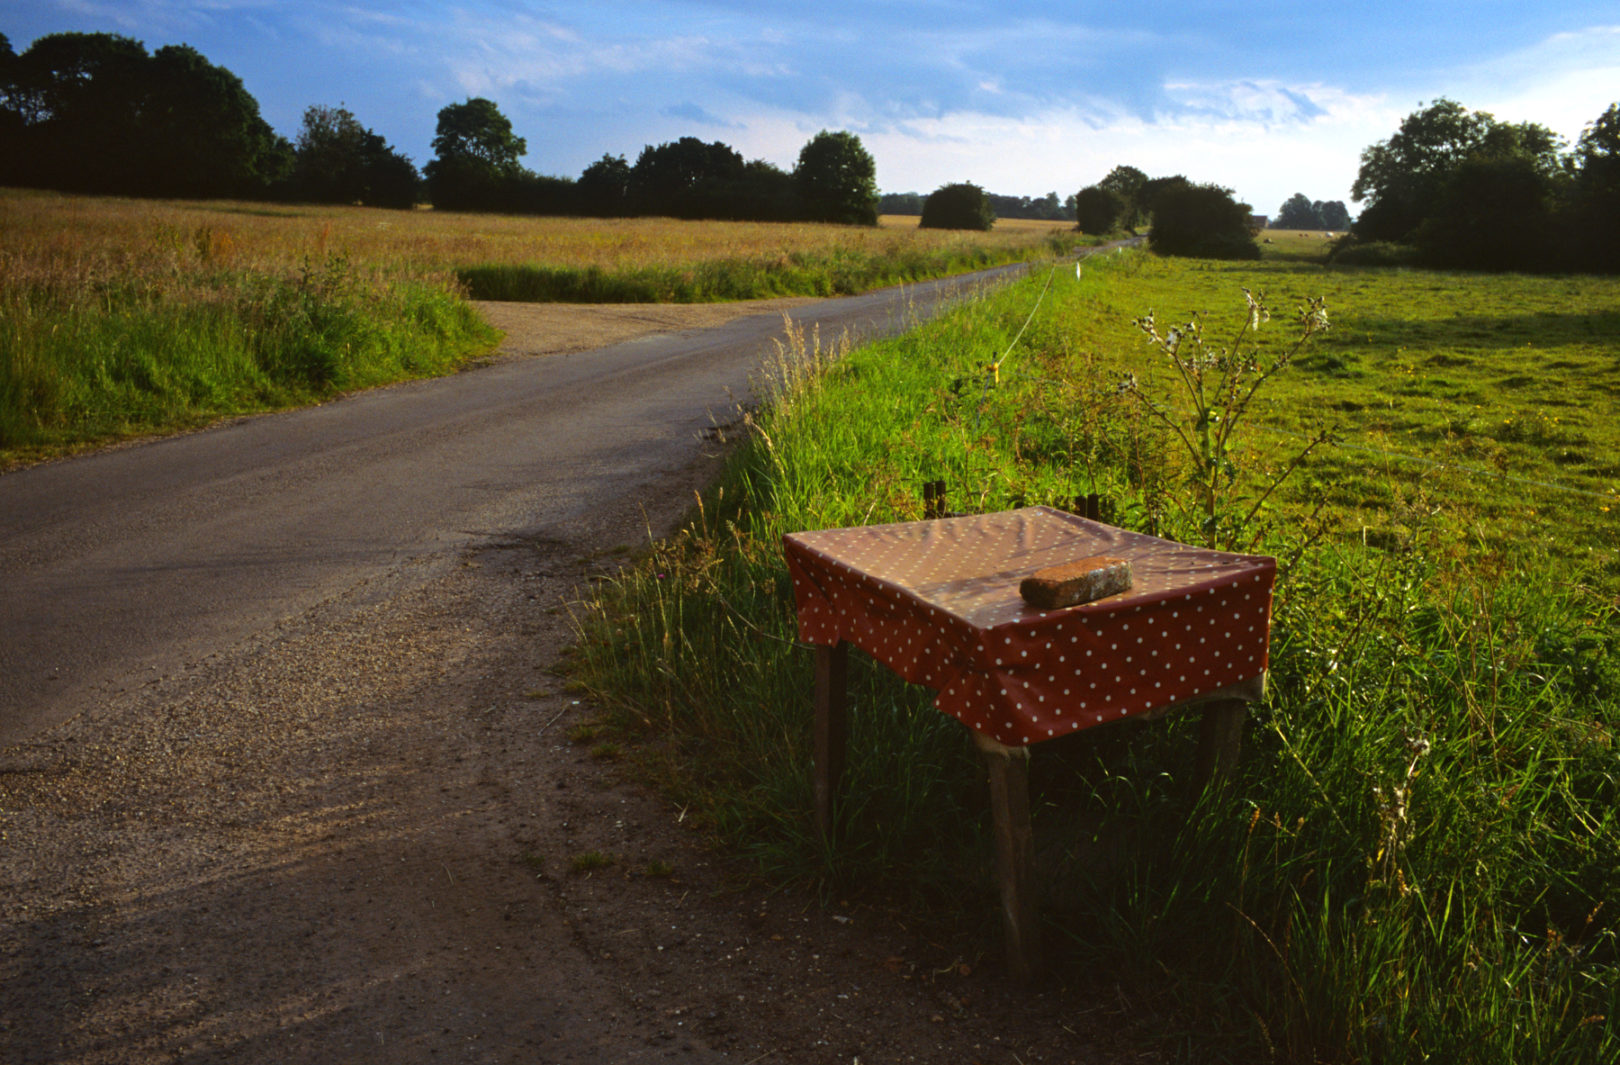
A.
pixel 1021 99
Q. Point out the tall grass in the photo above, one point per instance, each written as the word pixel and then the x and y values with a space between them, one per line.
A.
pixel 1420 857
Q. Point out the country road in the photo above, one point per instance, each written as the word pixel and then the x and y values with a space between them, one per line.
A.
pixel 290 774
pixel 119 567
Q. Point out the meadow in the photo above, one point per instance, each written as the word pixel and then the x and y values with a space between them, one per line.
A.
pixel 121 317
pixel 1419 857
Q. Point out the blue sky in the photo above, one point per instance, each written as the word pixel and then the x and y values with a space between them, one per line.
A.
pixel 1024 98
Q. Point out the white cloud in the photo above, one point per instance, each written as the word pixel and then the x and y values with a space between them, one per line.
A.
pixel 1562 82
pixel 1264 141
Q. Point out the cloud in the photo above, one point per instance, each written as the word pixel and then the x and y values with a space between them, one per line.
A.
pixel 693 113
pixel 1563 81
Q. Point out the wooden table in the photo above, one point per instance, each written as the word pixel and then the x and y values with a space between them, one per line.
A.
pixel 938 602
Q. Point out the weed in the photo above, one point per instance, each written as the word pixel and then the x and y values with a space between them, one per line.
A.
pixel 591 861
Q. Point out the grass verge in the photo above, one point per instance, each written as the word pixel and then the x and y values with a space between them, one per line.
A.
pixel 1420 855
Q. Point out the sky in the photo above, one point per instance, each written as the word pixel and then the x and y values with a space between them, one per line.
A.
pixel 1267 99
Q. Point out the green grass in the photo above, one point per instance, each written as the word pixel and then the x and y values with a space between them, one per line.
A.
pixel 124 359
pixel 1420 860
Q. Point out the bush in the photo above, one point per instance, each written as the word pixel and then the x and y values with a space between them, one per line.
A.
pixel 1202 221
pixel 1099 210
pixel 960 206
pixel 1349 250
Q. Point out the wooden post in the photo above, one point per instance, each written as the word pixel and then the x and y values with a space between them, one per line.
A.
pixel 1220 740
pixel 1015 856
pixel 832 711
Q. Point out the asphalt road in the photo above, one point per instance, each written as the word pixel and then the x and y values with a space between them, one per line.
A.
pixel 121 566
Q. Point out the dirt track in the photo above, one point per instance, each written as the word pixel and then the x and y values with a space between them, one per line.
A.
pixel 352 836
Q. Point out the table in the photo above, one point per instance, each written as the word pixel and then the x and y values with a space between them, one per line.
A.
pixel 938 603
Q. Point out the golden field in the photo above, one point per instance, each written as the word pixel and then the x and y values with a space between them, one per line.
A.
pixel 65 241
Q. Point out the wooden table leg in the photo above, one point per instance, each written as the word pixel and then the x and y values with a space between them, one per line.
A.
pixel 1220 740
pixel 832 711
pixel 1015 855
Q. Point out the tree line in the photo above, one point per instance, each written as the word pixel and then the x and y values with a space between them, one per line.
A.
pixel 97 113
pixel 1299 211
pixel 1461 188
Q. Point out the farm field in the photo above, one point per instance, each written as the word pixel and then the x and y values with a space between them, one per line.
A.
pixel 121 317
pixel 1419 855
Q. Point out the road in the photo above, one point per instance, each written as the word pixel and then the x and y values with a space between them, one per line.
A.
pixel 120 567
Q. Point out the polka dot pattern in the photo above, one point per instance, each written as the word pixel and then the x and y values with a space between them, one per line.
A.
pixel 938 603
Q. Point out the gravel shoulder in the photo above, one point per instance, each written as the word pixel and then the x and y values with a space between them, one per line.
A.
pixel 354 837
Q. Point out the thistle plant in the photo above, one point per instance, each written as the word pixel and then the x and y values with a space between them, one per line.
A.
pixel 1220 384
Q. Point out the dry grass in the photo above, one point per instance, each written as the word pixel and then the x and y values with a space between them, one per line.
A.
pixel 68 241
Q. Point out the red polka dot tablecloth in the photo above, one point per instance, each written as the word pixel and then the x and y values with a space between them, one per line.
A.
pixel 938 603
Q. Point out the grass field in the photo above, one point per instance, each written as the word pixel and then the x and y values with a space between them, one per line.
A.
pixel 1420 858
pixel 122 317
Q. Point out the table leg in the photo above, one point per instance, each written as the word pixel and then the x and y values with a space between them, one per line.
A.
pixel 832 711
pixel 1220 740
pixel 1015 855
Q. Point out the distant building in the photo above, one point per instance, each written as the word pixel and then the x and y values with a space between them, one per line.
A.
pixel 1257 222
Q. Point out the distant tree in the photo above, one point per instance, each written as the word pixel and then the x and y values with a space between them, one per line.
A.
pixel 12 124
pixel 686 179
pixel 604 187
pixel 1130 183
pixel 476 130
pixel 94 112
pixel 1047 207
pixel 1492 213
pixel 900 203
pixel 1334 214
pixel 1594 216
pixel 203 132
pixel 836 180
pixel 1403 178
pixel 959 206
pixel 766 193
pixel 1147 197
pixel 1100 210
pixel 337 160
pixel 476 153
pixel 1297 212
pixel 1203 221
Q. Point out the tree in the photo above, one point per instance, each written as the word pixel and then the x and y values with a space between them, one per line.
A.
pixel 1147 197
pixel 901 203
pixel 686 179
pixel 94 112
pixel 476 153
pixel 11 119
pixel 604 187
pixel 1402 179
pixel 836 180
pixel 1203 221
pixel 337 160
pixel 1334 214
pixel 1130 183
pixel 767 193
pixel 1297 212
pixel 1492 213
pixel 1099 210
pixel 959 206
pixel 477 131
pixel 1595 198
